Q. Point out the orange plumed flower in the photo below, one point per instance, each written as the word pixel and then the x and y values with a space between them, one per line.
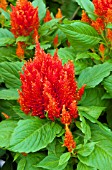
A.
pixel 5 115
pixel 59 14
pixel 48 87
pixel 20 50
pixel 109 34
pixel 102 6
pixel 55 41
pixel 98 25
pixel 85 18
pixel 68 140
pixel 48 16
pixel 108 17
pixel 24 18
pixel 3 4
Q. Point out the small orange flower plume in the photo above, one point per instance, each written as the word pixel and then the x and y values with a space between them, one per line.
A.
pixel 3 4
pixel 20 50
pixel 109 34
pixel 5 115
pixel 48 16
pixel 59 14
pixel 98 25
pixel 85 18
pixel 68 140
pixel 24 18
pixel 55 41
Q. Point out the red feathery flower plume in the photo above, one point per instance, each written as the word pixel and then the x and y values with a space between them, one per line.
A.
pixel 24 18
pixel 3 4
pixel 102 6
pixel 48 16
pixel 48 86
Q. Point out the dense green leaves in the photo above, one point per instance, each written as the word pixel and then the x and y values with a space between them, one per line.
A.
pixel 6 130
pixel 9 94
pixel 101 157
pixel 82 166
pixel 108 84
pixel 7 54
pixel 80 35
pixel 33 134
pixel 92 76
pixel 10 73
pixel 6 37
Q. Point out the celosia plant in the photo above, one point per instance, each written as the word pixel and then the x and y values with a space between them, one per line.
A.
pixel 48 86
pixel 56 85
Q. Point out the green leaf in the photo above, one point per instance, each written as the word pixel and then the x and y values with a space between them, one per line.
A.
pixel 108 84
pixel 5 14
pixel 10 73
pixel 21 164
pixel 7 54
pixel 6 37
pixel 6 129
pixel 20 113
pixel 51 162
pixel 22 39
pixel 88 6
pixel 92 76
pixel 94 111
pixel 93 97
pixel 67 53
pixel 86 149
pixel 109 25
pixel 82 166
pixel 33 134
pixel 9 94
pixel 101 157
pixel 80 35
pixel 28 162
pixel 48 27
pixel 64 158
pixel 85 129
pixel 41 8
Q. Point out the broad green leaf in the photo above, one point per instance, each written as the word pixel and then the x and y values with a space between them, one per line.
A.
pixel 10 73
pixel 86 149
pixel 8 54
pixel 88 6
pixel 9 94
pixel 55 148
pixel 108 84
pixel 33 134
pixel 21 164
pixel 45 29
pixel 93 97
pixel 85 129
pixel 94 111
pixel 67 53
pixel 6 37
pixel 109 25
pixel 5 14
pixel 87 54
pixel 64 158
pixel 92 76
pixel 41 8
pixel 22 38
pixel 28 162
pixel 109 116
pixel 80 35
pixel 51 162
pixel 6 129
pixel 101 157
pixel 20 113
pixel 82 166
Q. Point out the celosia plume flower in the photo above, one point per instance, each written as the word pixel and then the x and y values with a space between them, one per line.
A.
pixel 55 41
pixel 20 50
pixel 98 25
pixel 102 6
pixel 85 17
pixel 47 86
pixel 48 16
pixel 59 14
pixel 24 18
pixel 3 4
pixel 68 140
